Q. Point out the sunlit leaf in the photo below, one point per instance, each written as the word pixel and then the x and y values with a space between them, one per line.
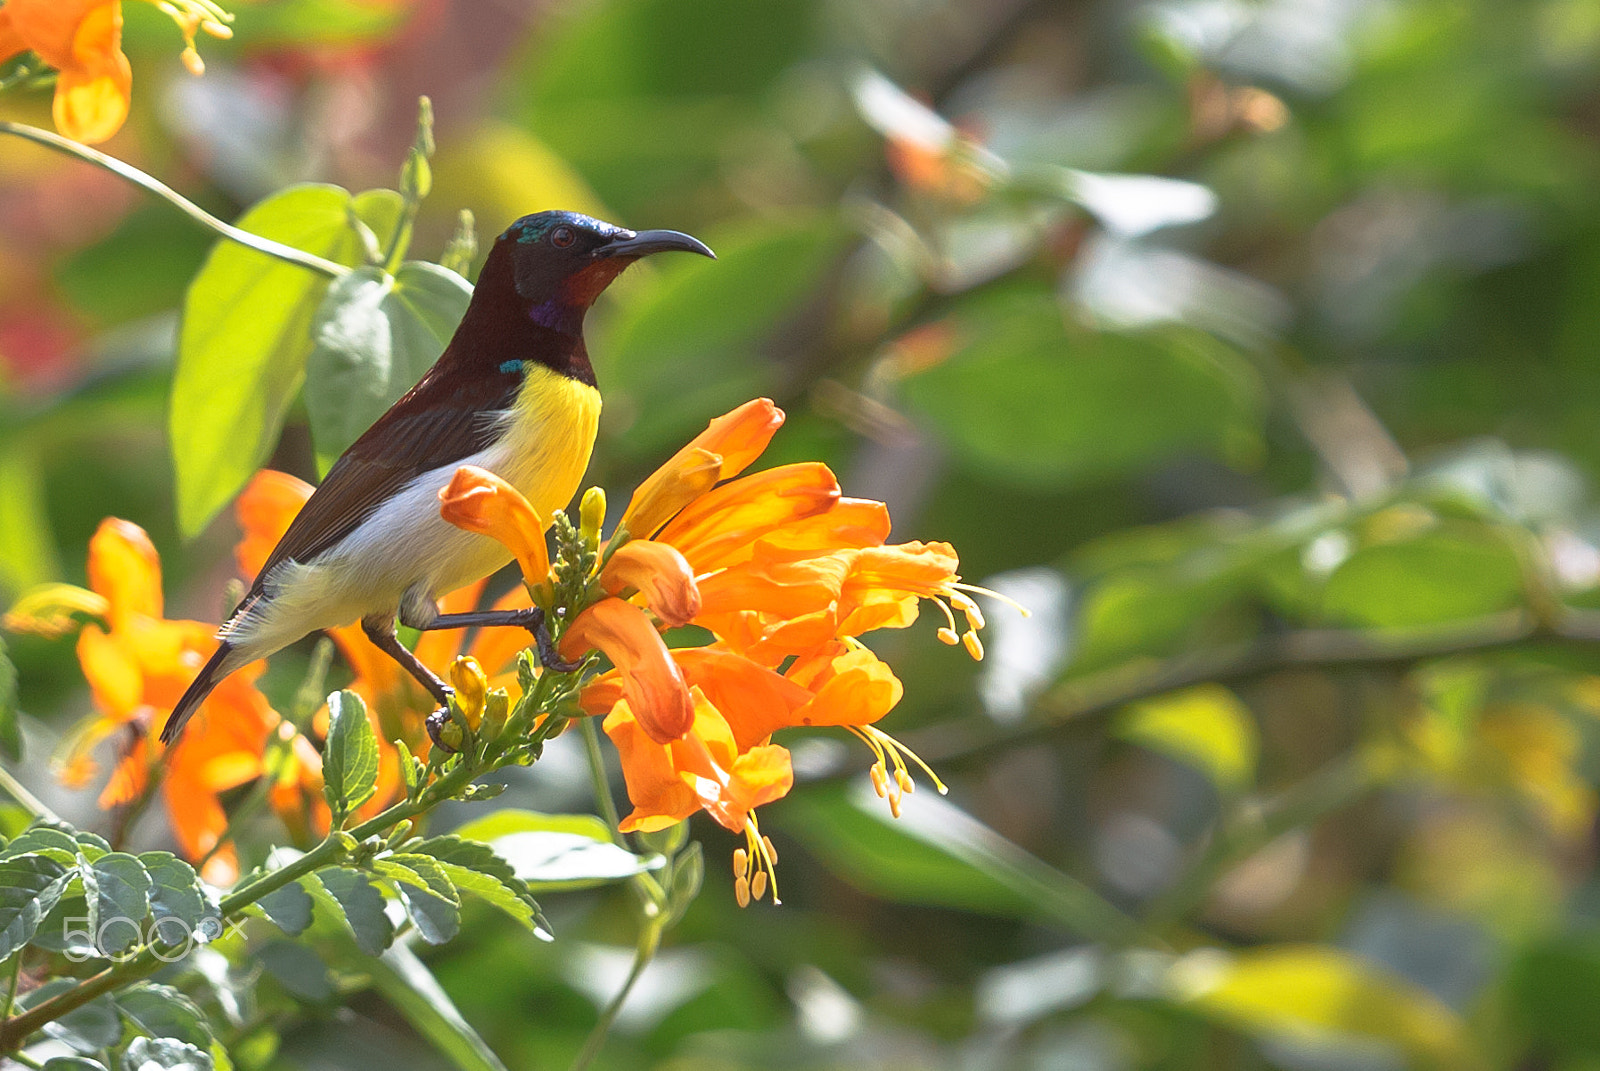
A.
pixel 1443 576
pixel 243 345
pixel 361 905
pixel 560 851
pixel 1320 994
pixel 1206 726
pixel 30 885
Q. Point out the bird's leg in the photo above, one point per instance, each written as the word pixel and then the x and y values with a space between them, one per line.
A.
pixel 380 630
pixel 531 618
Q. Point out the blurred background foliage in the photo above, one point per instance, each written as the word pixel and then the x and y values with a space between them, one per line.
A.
pixel 1251 343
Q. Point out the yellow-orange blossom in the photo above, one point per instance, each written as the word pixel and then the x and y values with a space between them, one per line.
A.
pixel 784 572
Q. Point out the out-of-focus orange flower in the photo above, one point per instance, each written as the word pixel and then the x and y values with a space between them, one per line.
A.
pixel 138 663
pixel 82 40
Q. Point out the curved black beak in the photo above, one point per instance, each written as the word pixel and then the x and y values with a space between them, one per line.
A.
pixel 643 243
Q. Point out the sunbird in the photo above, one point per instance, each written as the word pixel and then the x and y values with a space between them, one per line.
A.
pixel 513 393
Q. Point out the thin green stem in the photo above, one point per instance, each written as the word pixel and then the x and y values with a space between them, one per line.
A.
pixel 649 942
pixel 11 985
pixel 174 198
pixel 597 774
pixel 28 800
pixel 26 1061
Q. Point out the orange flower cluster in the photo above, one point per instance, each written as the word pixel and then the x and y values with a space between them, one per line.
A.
pixel 82 40
pixel 786 574
pixel 138 663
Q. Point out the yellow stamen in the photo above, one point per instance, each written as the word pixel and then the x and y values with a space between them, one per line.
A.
pixel 758 885
pixel 741 890
pixel 741 862
pixel 973 645
pixel 772 853
pixel 948 636
pixel 192 62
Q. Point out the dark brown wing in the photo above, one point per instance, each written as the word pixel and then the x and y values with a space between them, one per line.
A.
pixel 424 430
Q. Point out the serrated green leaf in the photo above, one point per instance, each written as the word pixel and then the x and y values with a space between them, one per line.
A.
pixel 30 885
pixel 361 905
pixel 10 728
pixel 165 1054
pixel 163 1012
pixel 375 335
pixel 178 904
pixel 408 985
pixel 350 756
pixel 429 896
pixel 474 868
pixel 299 969
pixel 47 840
pixel 117 890
pixel 243 344
pixel 288 907
pixel 92 845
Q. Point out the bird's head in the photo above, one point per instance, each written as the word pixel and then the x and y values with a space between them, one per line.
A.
pixel 561 261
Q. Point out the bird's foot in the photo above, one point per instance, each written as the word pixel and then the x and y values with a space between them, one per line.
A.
pixel 533 619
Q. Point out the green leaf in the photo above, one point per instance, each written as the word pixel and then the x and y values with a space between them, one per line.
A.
pixel 30 885
pixel 117 889
pixel 1321 995
pixel 552 852
pixel 430 897
pixel 1451 573
pixel 73 1063
pixel 474 868
pixel 304 23
pixel 288 907
pixel 48 840
pixel 408 985
pixel 376 334
pixel 350 756
pixel 1206 726
pixel 937 854
pixel 27 544
pixel 1026 400
pixel 89 1028
pixel 163 1012
pixel 178 903
pixel 686 346
pixel 165 1054
pixel 361 905
pixel 299 969
pixel 10 729
pixel 243 344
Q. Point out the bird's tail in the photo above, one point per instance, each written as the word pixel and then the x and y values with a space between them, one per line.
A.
pixel 209 677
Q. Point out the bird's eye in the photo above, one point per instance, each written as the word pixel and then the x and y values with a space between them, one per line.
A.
pixel 562 237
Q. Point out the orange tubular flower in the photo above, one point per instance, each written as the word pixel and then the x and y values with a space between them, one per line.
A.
pixel 704 770
pixel 784 572
pixel 82 40
pixel 652 684
pixel 479 501
pixel 660 574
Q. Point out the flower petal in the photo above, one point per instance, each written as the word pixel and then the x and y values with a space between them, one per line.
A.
pixel 94 91
pixel 264 510
pixel 479 501
pixel 660 796
pixel 852 688
pixel 754 700
pixel 726 448
pixel 125 568
pixel 715 528
pixel 659 573
pixel 651 680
